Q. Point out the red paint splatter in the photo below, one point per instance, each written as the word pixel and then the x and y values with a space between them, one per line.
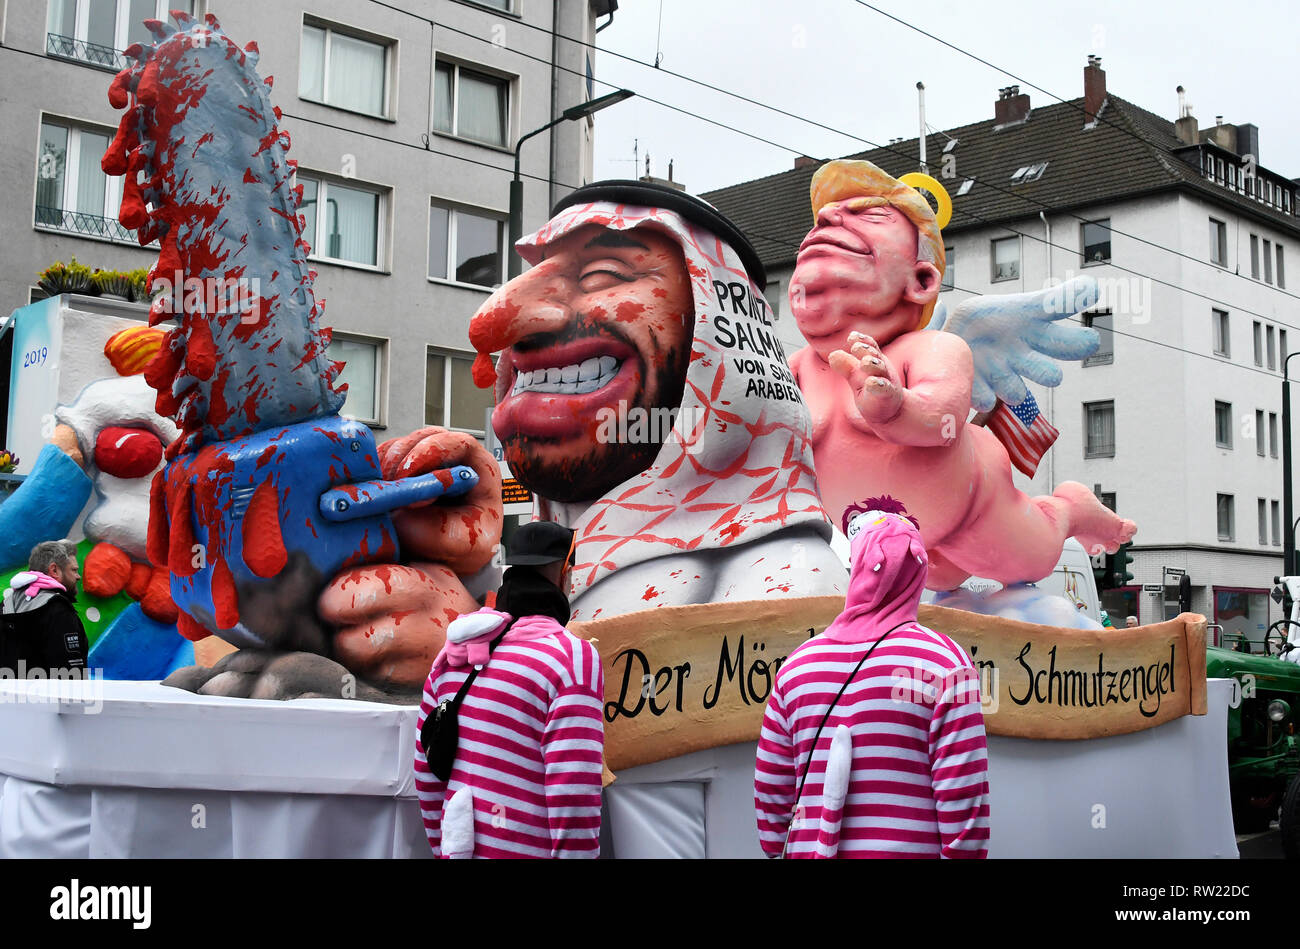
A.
pixel 225 601
pixel 263 544
pixel 187 627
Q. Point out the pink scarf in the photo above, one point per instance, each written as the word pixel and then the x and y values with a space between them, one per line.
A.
pixel 43 581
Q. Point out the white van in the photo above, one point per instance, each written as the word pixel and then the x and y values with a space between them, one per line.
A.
pixel 1071 579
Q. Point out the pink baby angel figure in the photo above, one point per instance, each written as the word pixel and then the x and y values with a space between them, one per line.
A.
pixel 891 402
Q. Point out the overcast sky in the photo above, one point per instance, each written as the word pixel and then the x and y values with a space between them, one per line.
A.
pixel 853 69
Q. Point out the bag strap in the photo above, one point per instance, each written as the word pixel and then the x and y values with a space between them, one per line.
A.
pixel 473 674
pixel 825 718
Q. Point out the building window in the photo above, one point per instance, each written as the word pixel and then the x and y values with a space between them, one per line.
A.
pixel 1263 521
pixel 1259 432
pixel 1222 341
pixel 94 31
pixel 1096 241
pixel 1259 343
pixel 344 71
pixel 1277 523
pixel 1104 324
pixel 72 192
pixel 1028 173
pixel 1006 259
pixel 466 246
pixel 451 399
pixel 1272 434
pixel 1271 347
pixel 1281 348
pixel 470 104
pixel 1281 269
pixel 352 226
pixel 1223 424
pixel 1099 429
pixel 363 359
pixel 950 267
pixel 1268 261
pixel 1218 242
pixel 1254 256
pixel 1224 510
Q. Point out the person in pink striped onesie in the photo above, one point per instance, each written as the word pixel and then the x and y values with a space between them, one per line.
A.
pixel 899 769
pixel 526 780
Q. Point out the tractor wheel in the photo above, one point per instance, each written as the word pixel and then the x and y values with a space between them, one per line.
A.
pixel 1290 821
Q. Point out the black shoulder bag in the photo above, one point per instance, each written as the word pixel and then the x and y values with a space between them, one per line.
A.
pixel 825 718
pixel 440 735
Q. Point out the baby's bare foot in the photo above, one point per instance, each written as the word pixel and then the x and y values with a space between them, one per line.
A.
pixel 1092 524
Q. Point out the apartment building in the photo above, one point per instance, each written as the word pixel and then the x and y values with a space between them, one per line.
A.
pixel 1175 421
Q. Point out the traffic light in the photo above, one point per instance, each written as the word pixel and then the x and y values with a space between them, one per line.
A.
pixel 1122 559
pixel 1101 570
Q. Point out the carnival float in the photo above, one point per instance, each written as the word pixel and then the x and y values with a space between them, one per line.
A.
pixel 328 566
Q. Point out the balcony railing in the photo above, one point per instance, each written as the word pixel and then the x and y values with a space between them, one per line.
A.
pixel 69 47
pixel 79 222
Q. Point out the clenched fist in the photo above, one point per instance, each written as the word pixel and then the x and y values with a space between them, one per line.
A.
pixel 392 619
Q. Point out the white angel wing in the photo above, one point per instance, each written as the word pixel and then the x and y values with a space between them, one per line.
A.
pixel 1017 336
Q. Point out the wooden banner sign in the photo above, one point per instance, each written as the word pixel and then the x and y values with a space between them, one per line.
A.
pixel 681 679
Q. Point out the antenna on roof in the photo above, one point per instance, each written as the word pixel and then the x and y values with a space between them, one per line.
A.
pixel 920 104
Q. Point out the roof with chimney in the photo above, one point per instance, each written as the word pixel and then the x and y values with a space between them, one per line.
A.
pixel 1126 153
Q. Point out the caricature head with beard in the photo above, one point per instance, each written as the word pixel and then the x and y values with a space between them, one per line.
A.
pixel 641 390
pixel 609 319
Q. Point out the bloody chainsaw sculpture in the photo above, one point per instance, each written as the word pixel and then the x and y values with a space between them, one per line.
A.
pixel 270 494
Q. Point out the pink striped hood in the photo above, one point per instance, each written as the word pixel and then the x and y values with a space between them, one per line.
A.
pixel 887 577
pixel 470 635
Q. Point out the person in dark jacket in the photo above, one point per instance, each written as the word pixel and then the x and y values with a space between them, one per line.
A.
pixel 42 636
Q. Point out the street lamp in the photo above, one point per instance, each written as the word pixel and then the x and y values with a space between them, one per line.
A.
pixel 1288 511
pixel 570 114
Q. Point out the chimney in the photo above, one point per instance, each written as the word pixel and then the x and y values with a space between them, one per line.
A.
pixel 1011 107
pixel 667 183
pixel 1225 136
pixel 1094 88
pixel 803 161
pixel 1248 140
pixel 1185 127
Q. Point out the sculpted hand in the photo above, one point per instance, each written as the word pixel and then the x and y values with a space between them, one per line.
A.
pixel 392 619
pixel 462 534
pixel 877 388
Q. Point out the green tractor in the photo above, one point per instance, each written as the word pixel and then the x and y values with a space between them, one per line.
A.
pixel 1263 748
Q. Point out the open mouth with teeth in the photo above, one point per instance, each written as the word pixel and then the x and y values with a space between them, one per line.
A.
pixel 555 392
pixel 573 379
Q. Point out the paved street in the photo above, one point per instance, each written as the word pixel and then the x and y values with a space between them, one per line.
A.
pixel 1266 845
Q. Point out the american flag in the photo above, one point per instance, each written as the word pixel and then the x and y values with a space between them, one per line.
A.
pixel 1024 433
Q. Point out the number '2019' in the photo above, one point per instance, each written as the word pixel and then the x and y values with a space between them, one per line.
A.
pixel 36 357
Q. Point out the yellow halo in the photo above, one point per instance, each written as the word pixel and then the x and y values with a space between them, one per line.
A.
pixel 914 179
